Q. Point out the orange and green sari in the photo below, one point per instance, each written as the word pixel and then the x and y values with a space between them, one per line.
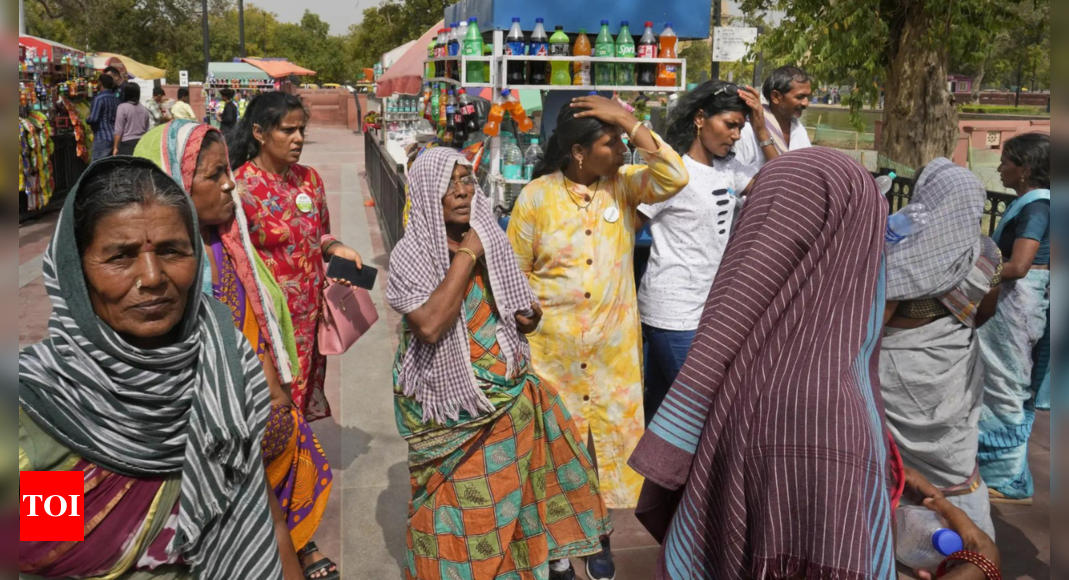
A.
pixel 497 497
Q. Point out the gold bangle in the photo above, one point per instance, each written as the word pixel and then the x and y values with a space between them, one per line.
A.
pixel 634 132
pixel 470 253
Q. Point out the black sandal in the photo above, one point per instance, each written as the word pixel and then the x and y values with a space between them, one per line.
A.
pixel 324 565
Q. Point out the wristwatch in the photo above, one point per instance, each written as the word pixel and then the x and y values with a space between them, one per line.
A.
pixel 764 144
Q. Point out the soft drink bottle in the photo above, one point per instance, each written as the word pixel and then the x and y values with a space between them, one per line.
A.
pixel 443 104
pixel 513 106
pixel 909 221
pixel 582 69
pixel 488 51
pixel 515 45
pixel 647 49
pixel 531 159
pixel 667 74
pixel 467 109
pixel 494 119
pixel 454 51
pixel 625 48
pixel 449 66
pixel 451 116
pixel 560 45
pixel 432 52
pixel 432 112
pixel 473 47
pixel 441 52
pixel 605 48
pixel 539 47
pixel 922 539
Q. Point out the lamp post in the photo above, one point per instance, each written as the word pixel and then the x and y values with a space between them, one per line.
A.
pixel 207 40
pixel 718 17
pixel 241 27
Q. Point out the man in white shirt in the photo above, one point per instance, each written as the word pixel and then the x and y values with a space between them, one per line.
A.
pixel 787 92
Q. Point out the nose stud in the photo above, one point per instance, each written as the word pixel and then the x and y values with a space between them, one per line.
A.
pixel 139 284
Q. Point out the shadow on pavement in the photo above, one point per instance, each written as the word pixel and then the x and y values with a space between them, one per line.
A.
pixel 392 512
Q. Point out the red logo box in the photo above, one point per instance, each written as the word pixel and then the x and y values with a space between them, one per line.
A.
pixel 51 506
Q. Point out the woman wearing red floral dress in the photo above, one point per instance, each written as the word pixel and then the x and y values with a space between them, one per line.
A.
pixel 289 222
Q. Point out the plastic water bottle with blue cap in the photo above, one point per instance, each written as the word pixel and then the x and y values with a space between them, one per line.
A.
pixel 909 221
pixel 923 540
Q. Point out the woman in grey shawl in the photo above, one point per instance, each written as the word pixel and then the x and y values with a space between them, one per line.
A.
pixel 502 485
pixel 148 389
pixel 942 284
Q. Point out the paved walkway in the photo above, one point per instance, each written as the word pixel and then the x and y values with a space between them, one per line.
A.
pixel 364 529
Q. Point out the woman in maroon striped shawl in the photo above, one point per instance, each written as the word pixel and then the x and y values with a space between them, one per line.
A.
pixel 770 457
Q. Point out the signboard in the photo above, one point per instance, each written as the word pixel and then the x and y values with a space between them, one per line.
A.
pixel 183 78
pixel 731 43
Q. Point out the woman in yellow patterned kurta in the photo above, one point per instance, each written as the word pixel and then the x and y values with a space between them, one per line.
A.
pixel 573 230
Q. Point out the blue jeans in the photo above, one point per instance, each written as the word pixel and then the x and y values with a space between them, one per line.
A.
pixel 102 149
pixel 667 351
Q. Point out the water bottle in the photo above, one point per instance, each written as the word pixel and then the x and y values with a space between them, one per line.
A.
pixel 531 158
pixel 909 221
pixel 884 182
pixel 512 161
pixel 922 540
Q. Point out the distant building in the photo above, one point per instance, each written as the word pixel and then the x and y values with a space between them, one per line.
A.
pixel 959 84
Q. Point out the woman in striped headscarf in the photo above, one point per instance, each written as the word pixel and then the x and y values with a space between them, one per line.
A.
pixel 770 457
pixel 145 387
pixel 942 285
pixel 297 468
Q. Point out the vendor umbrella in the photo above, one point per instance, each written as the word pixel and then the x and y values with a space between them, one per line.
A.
pixel 129 66
pixel 406 75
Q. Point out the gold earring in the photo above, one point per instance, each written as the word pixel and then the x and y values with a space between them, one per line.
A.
pixel 580 164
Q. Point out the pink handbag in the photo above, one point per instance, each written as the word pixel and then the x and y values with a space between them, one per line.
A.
pixel 348 313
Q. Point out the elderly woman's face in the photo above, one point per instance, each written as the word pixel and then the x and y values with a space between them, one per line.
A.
pixel 456 205
pixel 139 269
pixel 212 186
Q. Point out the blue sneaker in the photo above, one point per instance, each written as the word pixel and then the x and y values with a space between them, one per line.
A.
pixel 601 566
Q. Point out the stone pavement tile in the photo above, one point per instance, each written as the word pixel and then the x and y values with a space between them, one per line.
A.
pixel 632 564
pixel 34 311
pixel 1024 541
pixel 35 236
pixel 628 532
pixel 374 528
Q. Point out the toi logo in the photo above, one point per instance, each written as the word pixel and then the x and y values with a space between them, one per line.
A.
pixel 52 506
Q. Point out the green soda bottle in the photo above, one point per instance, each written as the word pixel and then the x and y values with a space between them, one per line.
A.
pixel 625 48
pixel 560 45
pixel 473 47
pixel 604 48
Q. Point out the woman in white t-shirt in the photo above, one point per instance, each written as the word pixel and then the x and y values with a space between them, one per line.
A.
pixel 691 230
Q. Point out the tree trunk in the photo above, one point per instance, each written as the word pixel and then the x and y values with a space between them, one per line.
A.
pixel 920 119
pixel 980 74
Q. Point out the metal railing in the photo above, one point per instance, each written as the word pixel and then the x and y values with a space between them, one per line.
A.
pixel 387 189
pixel 994 209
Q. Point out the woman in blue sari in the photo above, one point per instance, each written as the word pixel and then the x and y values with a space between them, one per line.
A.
pixel 1016 343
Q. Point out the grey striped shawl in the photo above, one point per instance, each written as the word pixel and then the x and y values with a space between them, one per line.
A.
pixel 439 375
pixel 934 261
pixel 197 408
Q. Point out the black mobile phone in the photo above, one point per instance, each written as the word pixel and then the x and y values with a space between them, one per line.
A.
pixel 343 269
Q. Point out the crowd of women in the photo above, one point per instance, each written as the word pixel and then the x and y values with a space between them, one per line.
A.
pixel 803 375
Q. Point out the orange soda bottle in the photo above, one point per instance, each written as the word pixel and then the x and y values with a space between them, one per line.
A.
pixel 494 118
pixel 582 69
pixel 668 74
pixel 513 106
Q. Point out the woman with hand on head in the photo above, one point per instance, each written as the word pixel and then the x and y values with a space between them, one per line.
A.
pixel 145 386
pixel 691 230
pixel 502 484
pixel 573 231
pixel 297 469
pixel 289 222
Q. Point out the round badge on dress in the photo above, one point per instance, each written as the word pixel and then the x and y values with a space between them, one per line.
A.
pixel 612 215
pixel 304 203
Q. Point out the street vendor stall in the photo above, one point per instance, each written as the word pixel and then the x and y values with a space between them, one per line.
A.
pixel 244 79
pixel 55 86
